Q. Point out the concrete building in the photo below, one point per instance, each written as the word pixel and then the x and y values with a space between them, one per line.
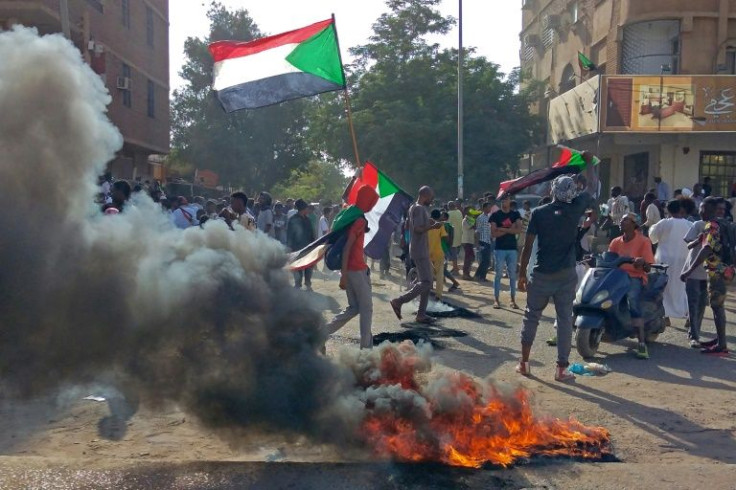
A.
pixel 663 99
pixel 127 43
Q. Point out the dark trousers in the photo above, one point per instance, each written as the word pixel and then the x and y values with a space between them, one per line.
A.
pixel 697 300
pixel 306 274
pixel 469 258
pixel 484 263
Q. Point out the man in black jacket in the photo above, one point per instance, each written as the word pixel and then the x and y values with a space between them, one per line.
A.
pixel 299 234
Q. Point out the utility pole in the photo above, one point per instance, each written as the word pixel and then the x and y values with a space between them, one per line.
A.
pixel 460 111
pixel 64 16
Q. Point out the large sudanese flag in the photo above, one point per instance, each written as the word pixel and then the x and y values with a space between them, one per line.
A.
pixel 270 70
pixel 570 162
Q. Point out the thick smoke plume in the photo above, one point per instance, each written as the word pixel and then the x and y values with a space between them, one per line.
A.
pixel 205 319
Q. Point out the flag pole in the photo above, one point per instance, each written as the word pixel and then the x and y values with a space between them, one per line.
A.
pixel 346 93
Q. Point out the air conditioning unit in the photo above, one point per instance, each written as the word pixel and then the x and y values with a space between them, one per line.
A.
pixel 91 46
pixel 551 22
pixel 532 41
pixel 124 83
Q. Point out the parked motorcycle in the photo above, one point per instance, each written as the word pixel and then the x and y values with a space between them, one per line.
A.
pixel 601 306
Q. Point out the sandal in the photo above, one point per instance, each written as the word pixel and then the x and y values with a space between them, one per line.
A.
pixel 563 375
pixel 514 306
pixel 496 305
pixel 427 320
pixel 524 368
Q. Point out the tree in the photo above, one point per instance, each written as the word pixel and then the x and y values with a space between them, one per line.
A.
pixel 318 181
pixel 405 107
pixel 254 149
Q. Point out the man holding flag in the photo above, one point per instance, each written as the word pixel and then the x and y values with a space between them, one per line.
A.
pixel 555 227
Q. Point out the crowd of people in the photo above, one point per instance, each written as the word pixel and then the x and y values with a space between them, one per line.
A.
pixel 538 250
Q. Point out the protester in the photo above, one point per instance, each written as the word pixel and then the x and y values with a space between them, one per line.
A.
pixel 265 214
pixel 354 278
pixel 324 222
pixel 185 214
pixel 456 220
pixel 237 212
pixel 299 234
pixel 279 223
pixel 618 206
pixel 468 241
pixel 668 235
pixel 649 210
pixel 290 209
pixel 635 245
pixel 526 213
pixel 712 254
pixel 435 237
pixel 707 188
pixel 419 225
pixel 505 226
pixel 120 194
pixel 696 284
pixel 663 190
pixel 447 250
pixel 555 227
pixel 485 242
pixel 211 209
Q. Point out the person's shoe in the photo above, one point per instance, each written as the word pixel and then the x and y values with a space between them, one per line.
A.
pixel 709 343
pixel 715 350
pixel 514 306
pixel 496 305
pixel 642 352
pixel 695 344
pixel 309 288
pixel 396 306
pixel 425 320
pixel 552 341
pixel 523 368
pixel 467 277
pixel 563 375
pixel 453 288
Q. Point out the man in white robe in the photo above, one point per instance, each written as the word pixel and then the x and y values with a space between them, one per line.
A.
pixel 672 250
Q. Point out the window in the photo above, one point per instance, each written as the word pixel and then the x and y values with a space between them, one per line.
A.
pixel 151 99
pixel 149 26
pixel 125 11
pixel 650 46
pixel 720 166
pixel 127 97
pixel 730 67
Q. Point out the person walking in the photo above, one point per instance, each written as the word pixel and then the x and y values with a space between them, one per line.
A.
pixel 265 214
pixel 436 237
pixel 468 240
pixel 299 234
pixel 419 223
pixel 505 226
pixel 456 220
pixel 554 226
pixel 485 242
pixel 355 275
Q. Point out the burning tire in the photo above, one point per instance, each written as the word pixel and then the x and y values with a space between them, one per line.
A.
pixel 587 341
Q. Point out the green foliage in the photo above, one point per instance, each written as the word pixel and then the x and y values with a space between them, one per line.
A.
pixel 405 108
pixel 253 149
pixel 319 181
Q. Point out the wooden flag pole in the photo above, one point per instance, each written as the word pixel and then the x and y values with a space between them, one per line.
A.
pixel 348 109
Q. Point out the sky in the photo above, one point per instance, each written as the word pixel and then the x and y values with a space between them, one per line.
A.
pixel 491 26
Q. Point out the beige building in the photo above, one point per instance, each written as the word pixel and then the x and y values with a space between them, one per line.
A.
pixel 127 43
pixel 663 99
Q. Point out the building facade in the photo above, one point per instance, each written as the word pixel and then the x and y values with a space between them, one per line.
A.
pixel 662 101
pixel 126 42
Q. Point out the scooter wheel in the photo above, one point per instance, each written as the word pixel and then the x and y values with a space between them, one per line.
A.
pixel 587 341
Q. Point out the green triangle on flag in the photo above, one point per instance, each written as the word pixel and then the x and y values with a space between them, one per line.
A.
pixel 585 63
pixel 320 56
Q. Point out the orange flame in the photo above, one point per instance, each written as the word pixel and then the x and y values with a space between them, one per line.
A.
pixel 455 420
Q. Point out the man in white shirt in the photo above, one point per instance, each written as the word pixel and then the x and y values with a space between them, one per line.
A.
pixel 184 214
pixel 324 222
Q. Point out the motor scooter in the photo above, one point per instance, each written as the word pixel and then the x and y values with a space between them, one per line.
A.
pixel 601 306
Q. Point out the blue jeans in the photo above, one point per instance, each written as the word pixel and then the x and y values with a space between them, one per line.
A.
pixel 509 258
pixel 634 297
pixel 484 262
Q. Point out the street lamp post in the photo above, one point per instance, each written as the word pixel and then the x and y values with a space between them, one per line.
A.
pixel 460 76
